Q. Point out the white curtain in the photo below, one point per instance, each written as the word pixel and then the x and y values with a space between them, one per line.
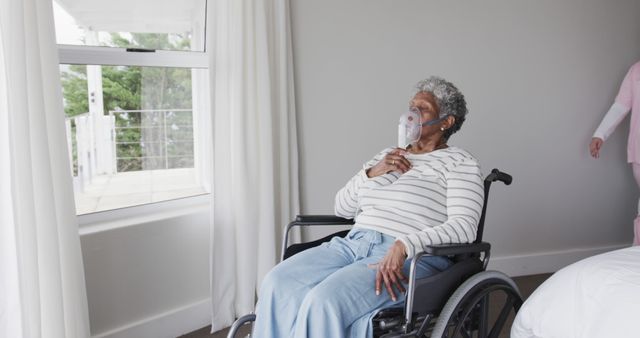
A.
pixel 42 288
pixel 255 185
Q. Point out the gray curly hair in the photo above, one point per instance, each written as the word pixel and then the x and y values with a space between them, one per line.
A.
pixel 449 99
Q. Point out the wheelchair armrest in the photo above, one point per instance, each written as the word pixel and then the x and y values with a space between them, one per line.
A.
pixel 456 249
pixel 302 220
pixel 310 220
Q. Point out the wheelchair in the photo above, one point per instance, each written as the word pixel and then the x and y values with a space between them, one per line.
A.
pixel 452 303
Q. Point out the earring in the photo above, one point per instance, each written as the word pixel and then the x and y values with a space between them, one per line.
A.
pixel 441 128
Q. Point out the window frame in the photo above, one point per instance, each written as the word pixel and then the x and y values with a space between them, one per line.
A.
pixel 106 220
pixel 109 56
pixel 116 56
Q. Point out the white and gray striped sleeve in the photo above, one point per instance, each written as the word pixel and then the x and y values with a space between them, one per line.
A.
pixel 346 202
pixel 465 197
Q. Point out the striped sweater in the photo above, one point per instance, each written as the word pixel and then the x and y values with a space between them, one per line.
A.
pixel 438 201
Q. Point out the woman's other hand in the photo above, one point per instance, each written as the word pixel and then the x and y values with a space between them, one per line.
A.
pixel 393 161
pixel 594 147
pixel 390 270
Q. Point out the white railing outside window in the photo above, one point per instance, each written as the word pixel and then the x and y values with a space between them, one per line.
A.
pixel 165 139
pixel 89 140
pixel 150 142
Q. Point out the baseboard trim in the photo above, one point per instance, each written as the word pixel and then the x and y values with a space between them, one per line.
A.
pixel 544 262
pixel 170 324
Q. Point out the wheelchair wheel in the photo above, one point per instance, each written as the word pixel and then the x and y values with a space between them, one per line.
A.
pixel 235 328
pixel 466 313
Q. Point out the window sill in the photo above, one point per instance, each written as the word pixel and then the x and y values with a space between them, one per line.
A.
pixel 141 214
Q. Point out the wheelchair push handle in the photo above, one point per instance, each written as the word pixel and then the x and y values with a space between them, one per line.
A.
pixel 497 175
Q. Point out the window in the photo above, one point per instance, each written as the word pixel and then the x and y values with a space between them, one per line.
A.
pixel 134 79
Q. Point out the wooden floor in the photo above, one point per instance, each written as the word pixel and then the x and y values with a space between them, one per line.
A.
pixel 526 284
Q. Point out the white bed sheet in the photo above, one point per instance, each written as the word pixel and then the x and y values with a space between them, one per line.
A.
pixel 598 296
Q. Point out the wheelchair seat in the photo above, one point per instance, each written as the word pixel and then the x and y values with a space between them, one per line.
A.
pixel 452 303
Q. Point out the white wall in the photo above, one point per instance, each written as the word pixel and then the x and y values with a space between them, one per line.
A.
pixel 148 275
pixel 538 77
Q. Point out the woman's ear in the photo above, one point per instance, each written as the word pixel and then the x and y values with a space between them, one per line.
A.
pixel 449 121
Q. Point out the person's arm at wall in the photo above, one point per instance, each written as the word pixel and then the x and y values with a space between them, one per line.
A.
pixel 611 120
pixel 615 115
pixel 465 196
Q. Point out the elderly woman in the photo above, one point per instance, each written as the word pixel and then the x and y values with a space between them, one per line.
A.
pixel 402 200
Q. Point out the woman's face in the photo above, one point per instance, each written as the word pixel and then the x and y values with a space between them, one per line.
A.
pixel 425 102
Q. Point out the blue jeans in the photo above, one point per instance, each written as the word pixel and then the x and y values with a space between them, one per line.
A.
pixel 329 290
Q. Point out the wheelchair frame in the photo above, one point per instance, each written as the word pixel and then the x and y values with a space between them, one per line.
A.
pixel 469 297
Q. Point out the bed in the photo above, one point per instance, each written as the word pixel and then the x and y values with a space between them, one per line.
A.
pixel 596 297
